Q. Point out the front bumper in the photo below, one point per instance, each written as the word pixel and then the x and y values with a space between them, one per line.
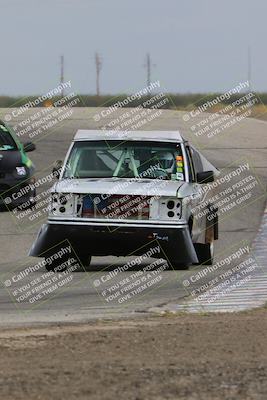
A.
pixel 100 239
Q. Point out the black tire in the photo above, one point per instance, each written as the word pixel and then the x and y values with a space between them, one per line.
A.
pixel 57 265
pixel 205 253
pixel 177 266
pixel 33 201
pixel 85 260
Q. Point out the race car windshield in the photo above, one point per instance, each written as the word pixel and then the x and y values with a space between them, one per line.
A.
pixel 103 159
pixel 6 140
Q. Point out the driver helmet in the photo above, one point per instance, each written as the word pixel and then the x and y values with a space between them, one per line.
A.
pixel 166 160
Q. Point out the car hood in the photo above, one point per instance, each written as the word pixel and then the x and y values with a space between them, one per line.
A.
pixel 146 187
pixel 9 160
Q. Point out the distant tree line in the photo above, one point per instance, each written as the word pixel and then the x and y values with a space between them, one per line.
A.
pixel 175 100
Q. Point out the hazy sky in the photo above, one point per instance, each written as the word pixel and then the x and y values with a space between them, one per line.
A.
pixel 196 45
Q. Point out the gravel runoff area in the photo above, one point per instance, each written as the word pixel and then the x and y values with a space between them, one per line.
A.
pixel 183 356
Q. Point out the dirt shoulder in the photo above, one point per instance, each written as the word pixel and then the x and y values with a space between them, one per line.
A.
pixel 179 357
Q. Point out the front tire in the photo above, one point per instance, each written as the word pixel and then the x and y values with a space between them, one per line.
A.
pixel 85 260
pixel 58 265
pixel 33 199
pixel 205 253
pixel 177 265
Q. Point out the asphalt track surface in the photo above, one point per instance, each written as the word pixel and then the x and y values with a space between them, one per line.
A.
pixel 246 140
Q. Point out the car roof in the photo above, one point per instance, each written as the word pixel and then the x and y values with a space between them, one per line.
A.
pixel 155 136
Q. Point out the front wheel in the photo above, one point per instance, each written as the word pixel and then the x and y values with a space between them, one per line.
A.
pixel 177 265
pixel 84 260
pixel 57 265
pixel 205 253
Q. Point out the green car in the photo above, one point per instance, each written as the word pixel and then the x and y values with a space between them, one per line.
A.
pixel 17 180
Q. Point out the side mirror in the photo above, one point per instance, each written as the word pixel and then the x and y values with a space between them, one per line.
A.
pixel 205 177
pixel 29 146
pixel 57 168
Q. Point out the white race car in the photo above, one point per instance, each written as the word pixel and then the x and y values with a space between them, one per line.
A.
pixel 118 193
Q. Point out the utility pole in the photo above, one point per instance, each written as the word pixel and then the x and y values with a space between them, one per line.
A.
pixel 148 65
pixel 249 68
pixel 62 74
pixel 98 64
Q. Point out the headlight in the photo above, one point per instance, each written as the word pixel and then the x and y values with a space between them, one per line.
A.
pixel 21 171
pixel 166 209
pixel 62 204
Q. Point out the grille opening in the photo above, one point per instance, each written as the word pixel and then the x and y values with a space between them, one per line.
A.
pixel 115 206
